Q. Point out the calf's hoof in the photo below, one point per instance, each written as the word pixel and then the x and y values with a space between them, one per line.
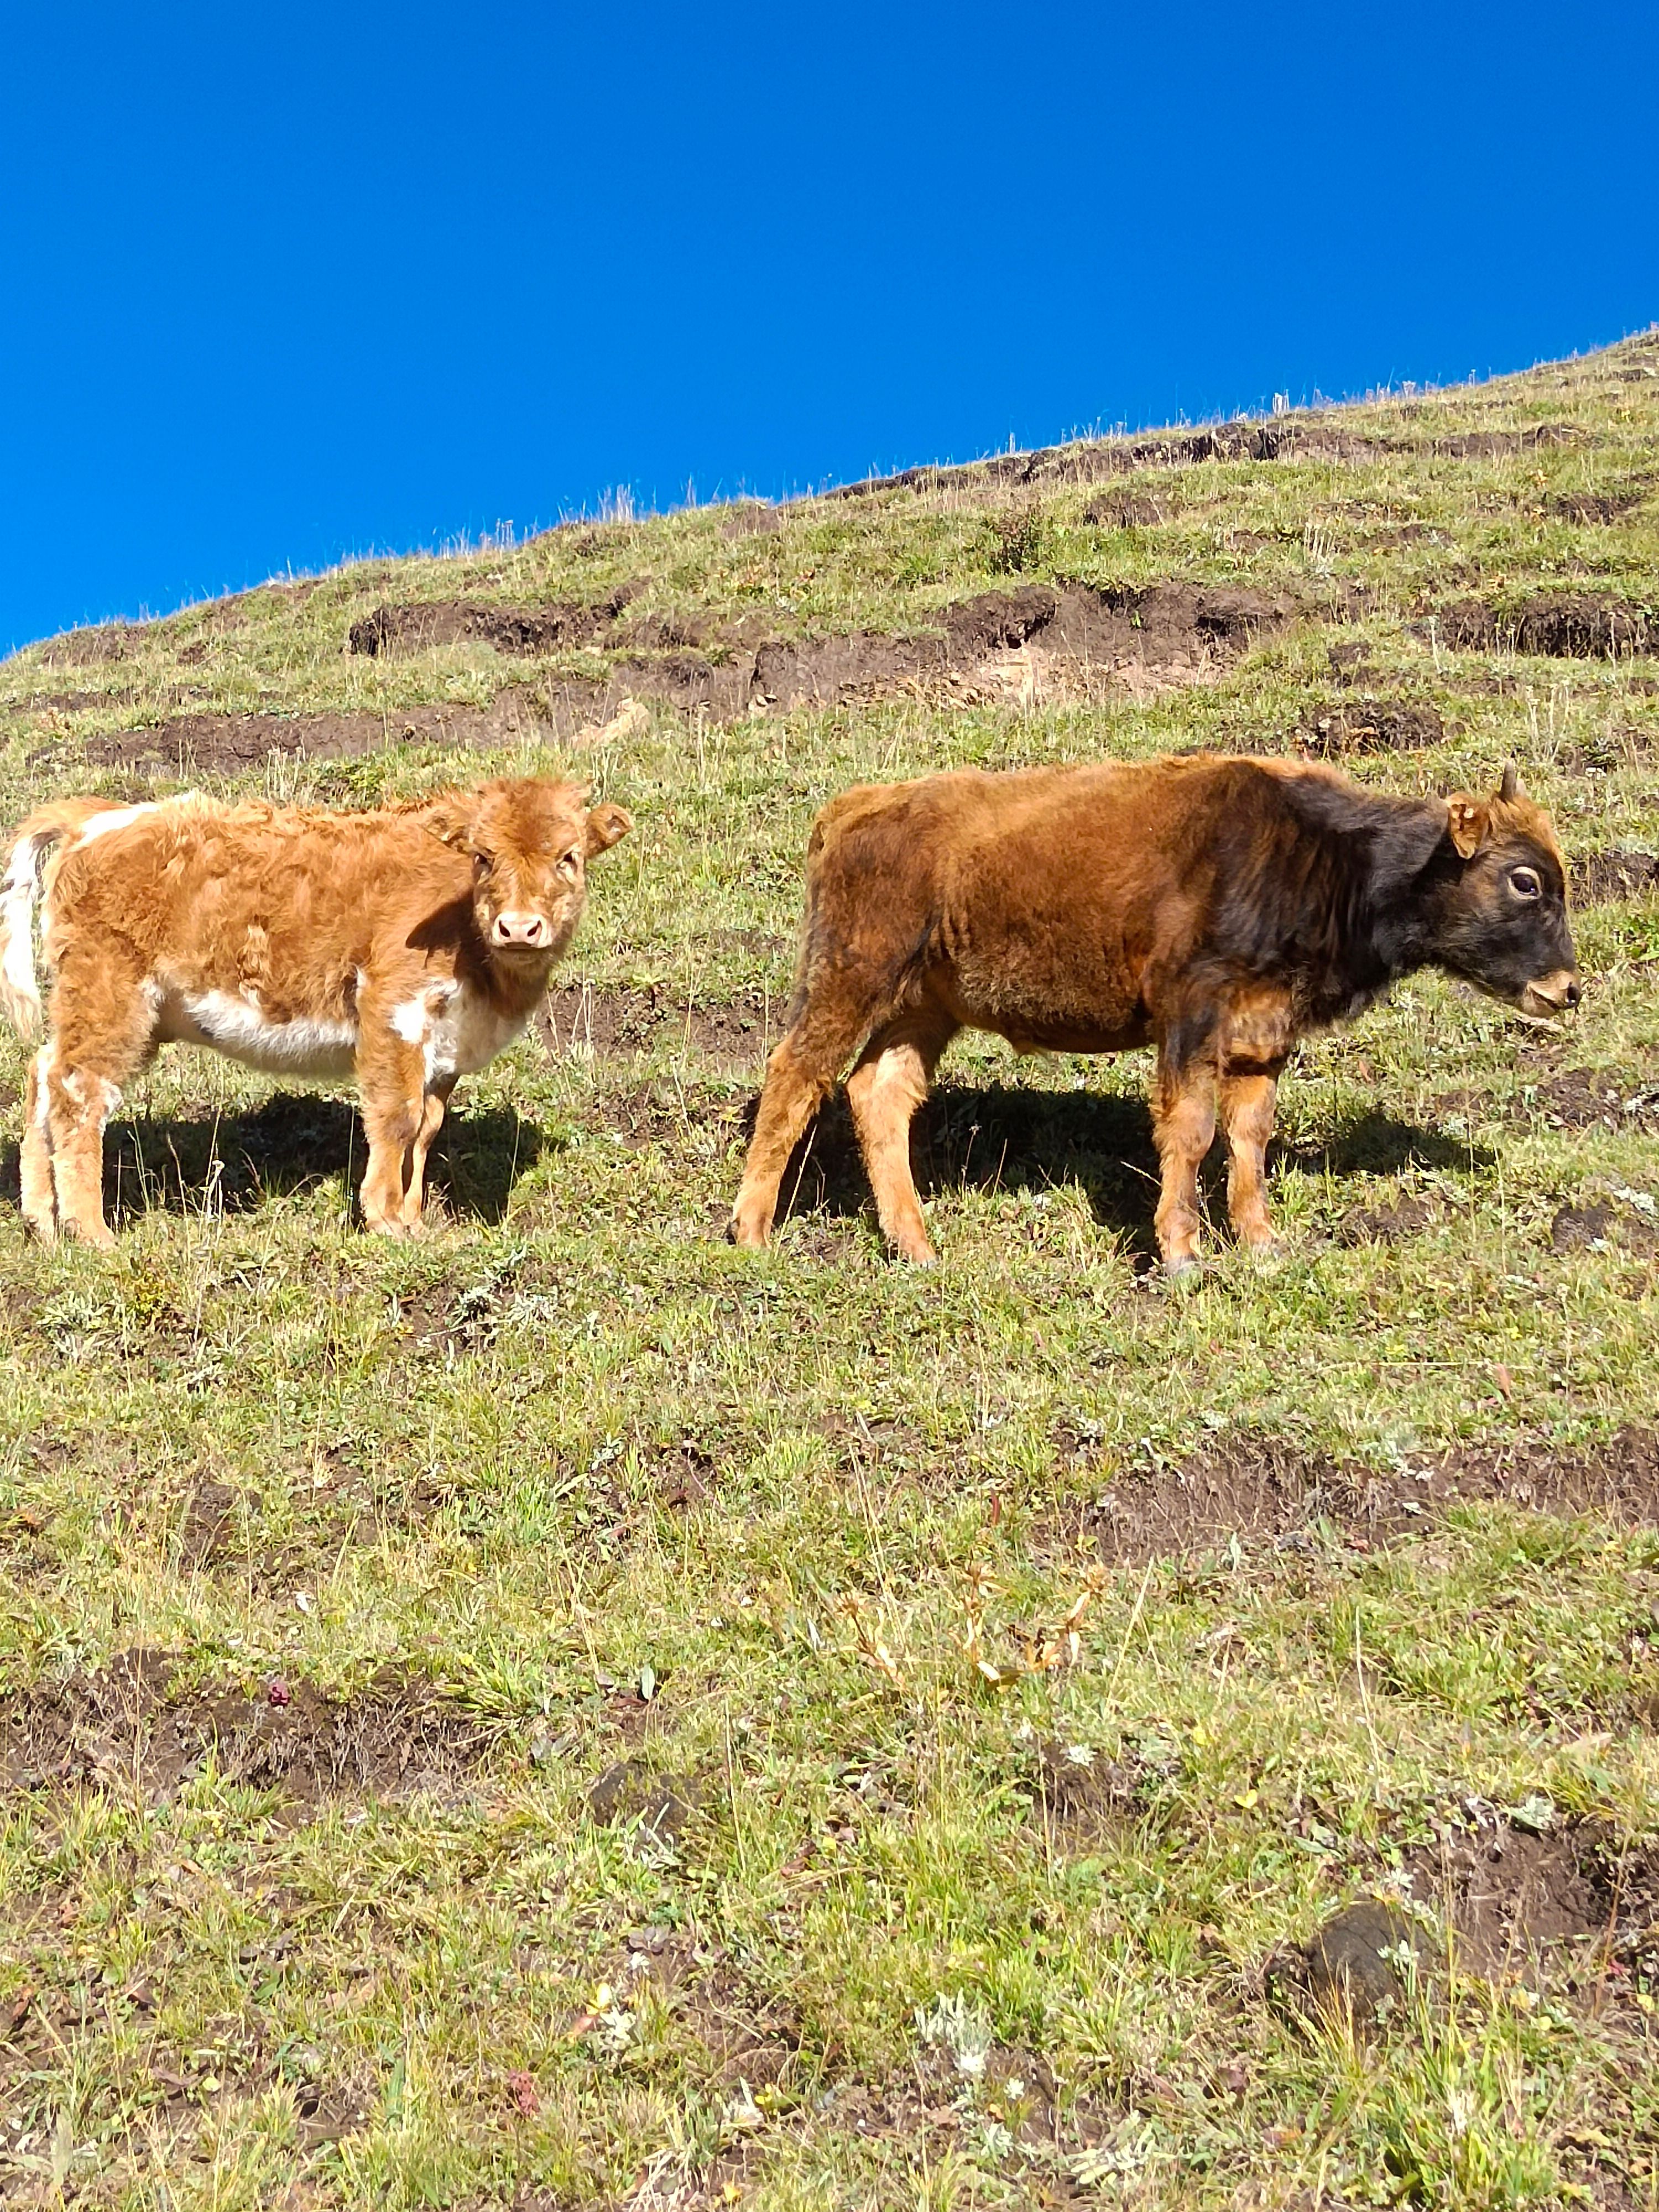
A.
pixel 916 1250
pixel 746 1230
pixel 96 1234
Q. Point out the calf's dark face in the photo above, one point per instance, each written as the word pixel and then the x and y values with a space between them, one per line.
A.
pixel 1503 920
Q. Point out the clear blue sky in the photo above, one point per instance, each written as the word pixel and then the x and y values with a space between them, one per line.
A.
pixel 281 284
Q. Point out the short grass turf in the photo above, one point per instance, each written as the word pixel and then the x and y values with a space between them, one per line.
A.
pixel 564 1713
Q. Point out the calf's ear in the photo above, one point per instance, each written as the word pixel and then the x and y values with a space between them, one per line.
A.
pixel 605 824
pixel 452 816
pixel 1468 822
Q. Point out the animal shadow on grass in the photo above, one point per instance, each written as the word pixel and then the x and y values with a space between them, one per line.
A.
pixel 999 1137
pixel 1376 1143
pixel 1006 1137
pixel 289 1144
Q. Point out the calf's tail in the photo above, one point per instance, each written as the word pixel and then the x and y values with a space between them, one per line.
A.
pixel 20 894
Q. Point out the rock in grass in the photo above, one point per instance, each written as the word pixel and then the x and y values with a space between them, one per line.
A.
pixel 629 1791
pixel 1353 1965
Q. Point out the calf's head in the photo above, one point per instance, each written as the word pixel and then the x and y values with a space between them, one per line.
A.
pixel 530 841
pixel 1501 919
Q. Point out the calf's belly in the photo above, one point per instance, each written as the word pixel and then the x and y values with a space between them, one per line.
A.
pixel 1039 1028
pixel 320 1047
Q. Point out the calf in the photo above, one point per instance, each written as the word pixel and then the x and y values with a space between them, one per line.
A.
pixel 406 947
pixel 1215 907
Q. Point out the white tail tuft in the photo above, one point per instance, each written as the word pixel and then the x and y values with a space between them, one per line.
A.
pixel 20 995
pixel 20 894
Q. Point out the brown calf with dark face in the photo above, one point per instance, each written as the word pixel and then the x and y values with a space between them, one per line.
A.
pixel 406 947
pixel 1218 908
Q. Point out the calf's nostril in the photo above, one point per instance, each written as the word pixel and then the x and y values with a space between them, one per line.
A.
pixel 1572 995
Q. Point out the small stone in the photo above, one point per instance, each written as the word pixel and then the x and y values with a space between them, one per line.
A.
pixel 1352 1964
pixel 277 1691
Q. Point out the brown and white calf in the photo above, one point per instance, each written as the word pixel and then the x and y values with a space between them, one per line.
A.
pixel 406 947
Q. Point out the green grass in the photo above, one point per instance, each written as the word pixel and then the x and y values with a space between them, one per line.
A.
pixel 572 1443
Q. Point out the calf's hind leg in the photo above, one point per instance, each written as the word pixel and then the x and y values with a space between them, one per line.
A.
pixel 1183 1124
pixel 103 1032
pixel 34 1159
pixel 883 1092
pixel 1246 1121
pixel 800 1076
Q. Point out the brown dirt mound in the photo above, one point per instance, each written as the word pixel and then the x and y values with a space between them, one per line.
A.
pixel 578 1019
pixel 415 626
pixel 1597 506
pixel 225 744
pixel 1081 634
pixel 1264 1490
pixel 1560 626
pixel 1387 1224
pixel 90 648
pixel 1319 435
pixel 1375 726
pixel 129 1728
pixel 1602 877
pixel 1490 445
pixel 1512 1894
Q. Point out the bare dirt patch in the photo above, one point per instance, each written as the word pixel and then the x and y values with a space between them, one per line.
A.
pixel 1081 1798
pixel 1591 1097
pixel 581 1021
pixel 1265 1492
pixel 1602 878
pixel 1563 625
pixel 1522 1900
pixel 417 626
pixel 1374 726
pixel 133 1727
pixel 1074 637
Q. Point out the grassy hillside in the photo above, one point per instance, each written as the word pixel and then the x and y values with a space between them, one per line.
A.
pixel 563 1713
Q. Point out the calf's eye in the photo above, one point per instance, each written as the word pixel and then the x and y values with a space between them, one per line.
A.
pixel 1526 883
pixel 570 867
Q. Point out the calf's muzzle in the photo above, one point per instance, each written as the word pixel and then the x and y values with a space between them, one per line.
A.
pixel 521 931
pixel 1552 993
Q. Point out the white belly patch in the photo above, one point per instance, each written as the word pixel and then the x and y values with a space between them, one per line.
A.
pixel 457 1030
pixel 234 1024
